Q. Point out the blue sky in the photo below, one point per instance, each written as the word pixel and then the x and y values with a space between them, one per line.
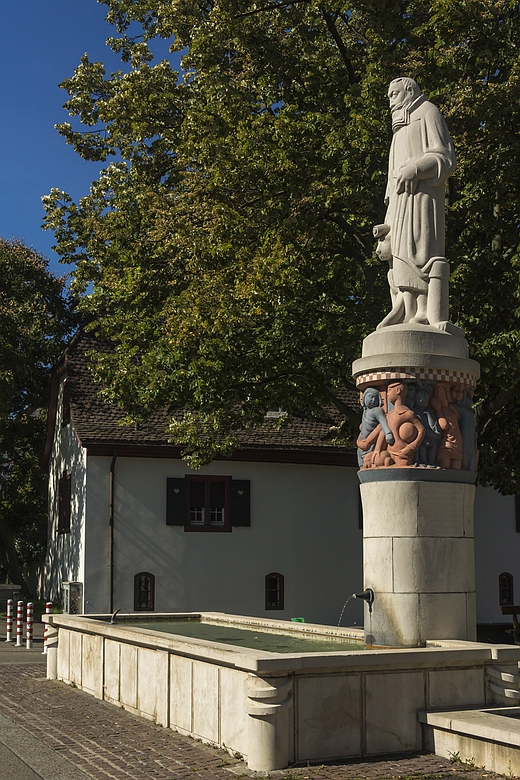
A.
pixel 42 43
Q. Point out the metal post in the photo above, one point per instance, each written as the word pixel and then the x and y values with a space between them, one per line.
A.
pixel 48 610
pixel 29 626
pixel 9 625
pixel 19 624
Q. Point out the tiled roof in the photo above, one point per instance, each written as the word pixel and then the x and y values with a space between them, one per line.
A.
pixel 98 422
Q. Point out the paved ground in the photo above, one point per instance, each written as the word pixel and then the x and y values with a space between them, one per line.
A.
pixel 51 731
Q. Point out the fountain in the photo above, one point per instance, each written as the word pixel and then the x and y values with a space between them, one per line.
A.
pixel 419 680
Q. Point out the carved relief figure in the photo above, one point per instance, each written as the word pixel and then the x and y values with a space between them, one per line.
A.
pixel 427 452
pixel 463 404
pixel 412 238
pixel 372 422
pixel 408 432
pixel 449 453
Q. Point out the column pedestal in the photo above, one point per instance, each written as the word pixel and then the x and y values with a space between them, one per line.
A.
pixel 418 461
pixel 418 559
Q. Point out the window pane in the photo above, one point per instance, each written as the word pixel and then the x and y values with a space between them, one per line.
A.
pixel 217 495
pixel 217 516
pixel 197 494
pixel 143 592
pixel 197 514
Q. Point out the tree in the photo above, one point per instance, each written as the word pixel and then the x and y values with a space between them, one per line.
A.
pixel 34 322
pixel 227 251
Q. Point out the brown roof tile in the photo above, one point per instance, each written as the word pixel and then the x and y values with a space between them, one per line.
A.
pixel 99 422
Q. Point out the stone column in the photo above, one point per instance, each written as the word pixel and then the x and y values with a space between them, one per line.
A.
pixel 269 706
pixel 418 515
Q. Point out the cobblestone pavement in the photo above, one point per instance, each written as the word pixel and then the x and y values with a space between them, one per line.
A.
pixel 106 742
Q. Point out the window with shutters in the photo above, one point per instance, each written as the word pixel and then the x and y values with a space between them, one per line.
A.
pixel 274 587
pixel 144 592
pixel 64 504
pixel 207 503
pixel 506 589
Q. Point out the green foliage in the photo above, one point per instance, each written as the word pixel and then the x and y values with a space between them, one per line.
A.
pixel 34 321
pixel 227 251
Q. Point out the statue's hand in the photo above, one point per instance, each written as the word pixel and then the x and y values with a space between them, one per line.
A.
pixel 407 179
pixel 390 438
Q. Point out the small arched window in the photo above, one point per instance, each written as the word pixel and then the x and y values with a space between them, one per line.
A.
pixel 274 587
pixel 144 592
pixel 506 589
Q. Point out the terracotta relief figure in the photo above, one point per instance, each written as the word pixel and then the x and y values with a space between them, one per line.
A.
pixel 427 452
pixel 372 422
pixel 408 432
pixel 463 404
pixel 449 453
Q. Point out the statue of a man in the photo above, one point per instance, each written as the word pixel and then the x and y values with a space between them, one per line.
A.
pixel 412 238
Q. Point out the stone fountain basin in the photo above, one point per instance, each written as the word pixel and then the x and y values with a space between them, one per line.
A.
pixel 480 737
pixel 277 709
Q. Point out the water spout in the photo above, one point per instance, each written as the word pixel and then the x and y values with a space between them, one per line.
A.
pixel 367 595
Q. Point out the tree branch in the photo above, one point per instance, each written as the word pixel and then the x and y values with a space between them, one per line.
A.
pixel 339 43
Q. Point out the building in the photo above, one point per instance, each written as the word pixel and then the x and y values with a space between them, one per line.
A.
pixel 275 530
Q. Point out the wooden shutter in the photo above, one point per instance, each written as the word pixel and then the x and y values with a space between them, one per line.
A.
pixel 176 507
pixel 240 502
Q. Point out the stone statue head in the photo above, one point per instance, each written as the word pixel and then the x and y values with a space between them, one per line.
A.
pixel 371 398
pixel 401 92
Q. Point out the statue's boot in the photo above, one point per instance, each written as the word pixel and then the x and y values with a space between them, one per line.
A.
pixel 421 315
pixel 396 314
pixel 438 296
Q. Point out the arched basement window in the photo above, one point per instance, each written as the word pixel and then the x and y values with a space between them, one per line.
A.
pixel 274 591
pixel 144 592
pixel 506 589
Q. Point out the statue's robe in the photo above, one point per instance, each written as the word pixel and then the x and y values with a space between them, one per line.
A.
pixel 417 221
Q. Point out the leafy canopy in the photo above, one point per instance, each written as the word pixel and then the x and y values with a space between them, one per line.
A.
pixel 226 248
pixel 34 323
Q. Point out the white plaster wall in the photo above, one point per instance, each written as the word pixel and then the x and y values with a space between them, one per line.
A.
pixel 497 550
pixel 304 525
pixel 65 552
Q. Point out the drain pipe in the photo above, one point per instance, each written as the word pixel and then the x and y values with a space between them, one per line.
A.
pixel 111 532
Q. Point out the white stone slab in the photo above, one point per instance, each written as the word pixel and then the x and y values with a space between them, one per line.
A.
pixel 390 508
pixel 162 716
pixel 112 670
pixel 76 640
pixel 147 681
pixel 128 678
pixel 205 701
pixel 469 514
pixel 441 509
pixel 64 655
pixel 456 687
pixel 233 717
pixel 181 693
pixel 92 665
pixel 378 564
pixel 442 616
pixel 392 703
pixel 393 621
pixel 433 565
pixel 329 717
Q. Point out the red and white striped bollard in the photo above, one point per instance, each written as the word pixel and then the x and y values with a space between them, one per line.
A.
pixel 29 626
pixel 9 623
pixel 19 624
pixel 48 610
